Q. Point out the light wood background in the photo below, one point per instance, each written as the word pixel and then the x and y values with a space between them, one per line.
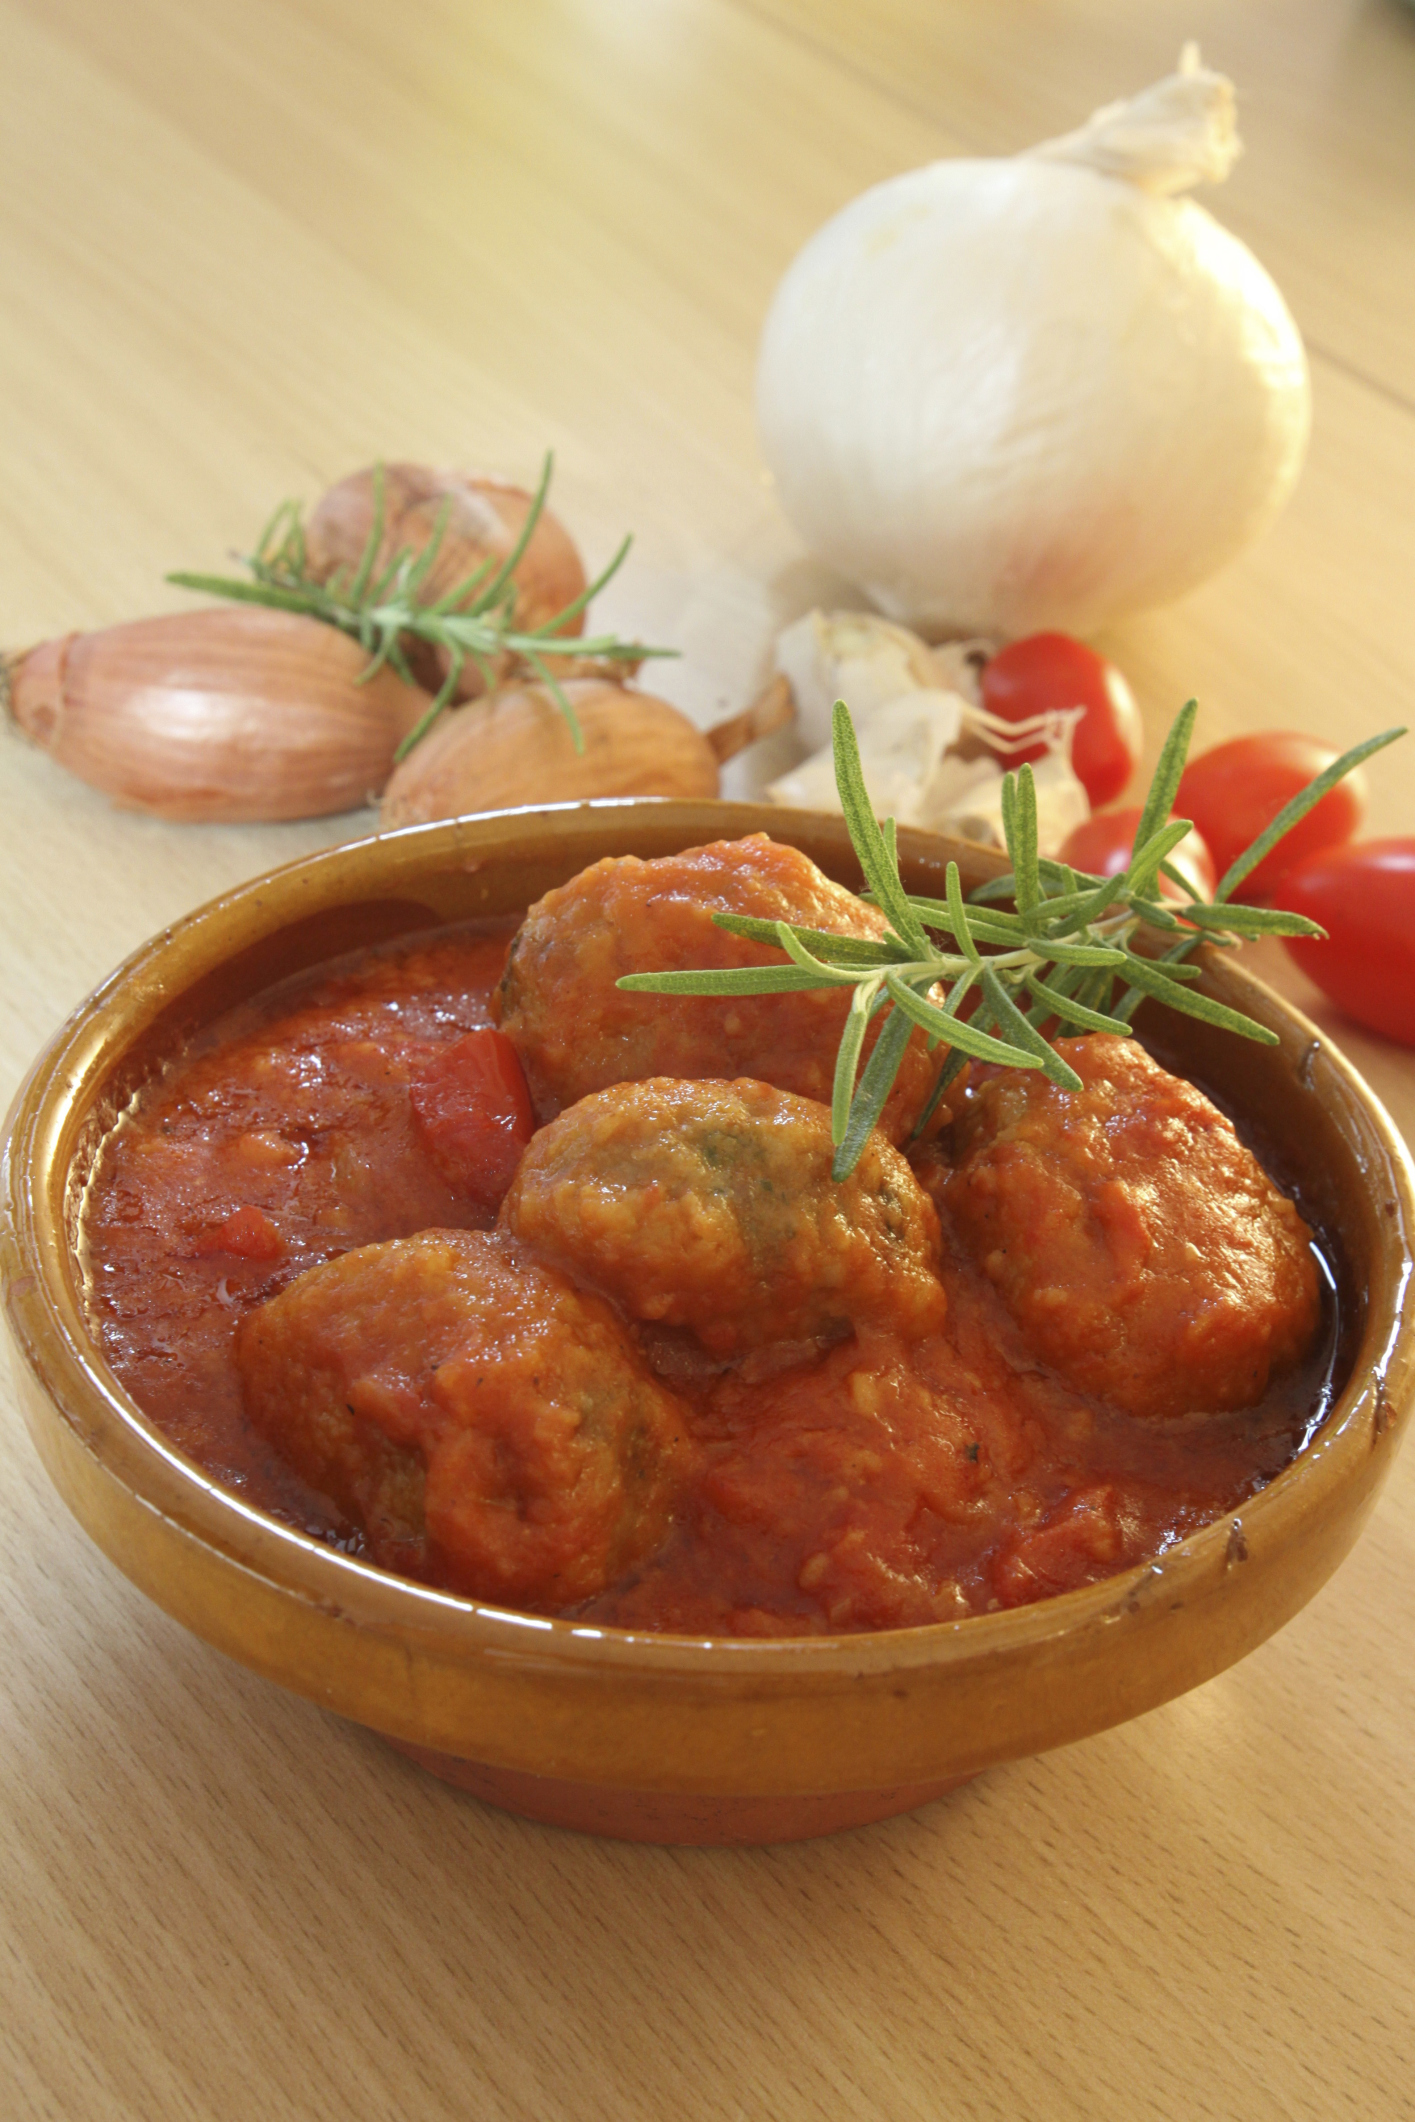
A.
pixel 245 248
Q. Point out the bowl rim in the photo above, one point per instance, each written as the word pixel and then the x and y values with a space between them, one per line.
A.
pixel 46 1318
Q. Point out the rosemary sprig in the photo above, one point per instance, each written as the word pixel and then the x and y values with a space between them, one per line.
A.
pixel 381 607
pixel 1056 955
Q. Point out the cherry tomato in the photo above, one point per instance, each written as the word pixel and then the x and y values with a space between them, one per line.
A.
pixel 1363 894
pixel 1106 841
pixel 1233 792
pixel 1045 671
pixel 473 1111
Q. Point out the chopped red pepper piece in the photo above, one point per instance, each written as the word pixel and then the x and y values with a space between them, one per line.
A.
pixel 248 1233
pixel 473 1111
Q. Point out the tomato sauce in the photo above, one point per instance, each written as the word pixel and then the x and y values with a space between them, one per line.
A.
pixel 871 1483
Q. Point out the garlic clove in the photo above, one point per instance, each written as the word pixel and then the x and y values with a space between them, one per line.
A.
pixel 965 796
pixel 922 766
pixel 484 519
pixel 900 747
pixel 853 656
pixel 237 713
pixel 515 748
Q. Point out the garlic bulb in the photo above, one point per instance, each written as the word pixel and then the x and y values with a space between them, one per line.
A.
pixel 920 770
pixel 1013 395
pixel 850 656
pixel 929 750
pixel 231 714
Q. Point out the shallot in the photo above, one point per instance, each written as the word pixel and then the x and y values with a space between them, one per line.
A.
pixel 236 713
pixel 516 747
pixel 481 518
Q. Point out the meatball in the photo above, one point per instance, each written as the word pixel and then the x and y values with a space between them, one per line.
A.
pixel 491 1428
pixel 711 1205
pixel 577 1032
pixel 1140 1247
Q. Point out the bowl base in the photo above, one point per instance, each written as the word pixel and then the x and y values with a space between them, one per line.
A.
pixel 685 1818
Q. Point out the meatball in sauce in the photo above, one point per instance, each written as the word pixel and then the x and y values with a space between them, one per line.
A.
pixel 711 1206
pixel 491 1427
pixel 690 1382
pixel 1144 1252
pixel 577 1031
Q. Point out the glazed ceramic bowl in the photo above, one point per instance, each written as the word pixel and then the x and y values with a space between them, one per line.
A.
pixel 668 1737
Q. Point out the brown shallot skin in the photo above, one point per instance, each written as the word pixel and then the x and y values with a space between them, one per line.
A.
pixel 1141 1248
pixel 484 517
pixel 230 715
pixel 516 747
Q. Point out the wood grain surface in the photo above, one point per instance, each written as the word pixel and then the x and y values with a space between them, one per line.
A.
pixel 244 249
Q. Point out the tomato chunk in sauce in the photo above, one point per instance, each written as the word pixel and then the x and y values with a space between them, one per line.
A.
pixel 861 1462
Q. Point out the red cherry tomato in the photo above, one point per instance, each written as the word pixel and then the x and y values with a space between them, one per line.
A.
pixel 1104 844
pixel 1363 895
pixel 1233 792
pixel 473 1111
pixel 1045 671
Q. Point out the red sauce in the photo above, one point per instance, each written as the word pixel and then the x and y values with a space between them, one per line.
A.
pixel 875 1484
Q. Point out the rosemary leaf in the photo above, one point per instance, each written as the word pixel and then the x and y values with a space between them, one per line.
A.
pixel 1080 953
pixel 873 1091
pixel 961 1032
pixel 987 925
pixel 502 578
pixel 1155 912
pixel 1084 907
pixel 1072 1011
pixel 881 874
pixel 958 915
pixel 1147 856
pixel 561 619
pixel 724 980
pixel 1159 802
pixel 825 943
pixel 1252 920
pixel 1024 851
pixel 269 594
pixel 1292 813
pixel 1012 1022
pixel 863 1004
pixel 1164 985
pixel 830 975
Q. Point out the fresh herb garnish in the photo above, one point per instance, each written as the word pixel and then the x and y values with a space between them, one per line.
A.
pixel 473 622
pixel 1057 953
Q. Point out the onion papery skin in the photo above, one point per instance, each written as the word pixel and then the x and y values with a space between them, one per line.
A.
pixel 515 747
pixel 484 519
pixel 1006 396
pixel 228 715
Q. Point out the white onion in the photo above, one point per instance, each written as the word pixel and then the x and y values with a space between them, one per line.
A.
pixel 1007 395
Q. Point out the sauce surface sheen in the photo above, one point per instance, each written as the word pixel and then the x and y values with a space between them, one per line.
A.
pixel 871 1483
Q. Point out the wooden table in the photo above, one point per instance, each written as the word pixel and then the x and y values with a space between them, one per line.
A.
pixel 245 249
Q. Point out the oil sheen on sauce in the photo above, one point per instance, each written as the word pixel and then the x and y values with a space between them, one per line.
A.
pixel 862 1485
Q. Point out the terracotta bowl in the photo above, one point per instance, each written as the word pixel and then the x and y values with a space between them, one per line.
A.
pixel 671 1738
